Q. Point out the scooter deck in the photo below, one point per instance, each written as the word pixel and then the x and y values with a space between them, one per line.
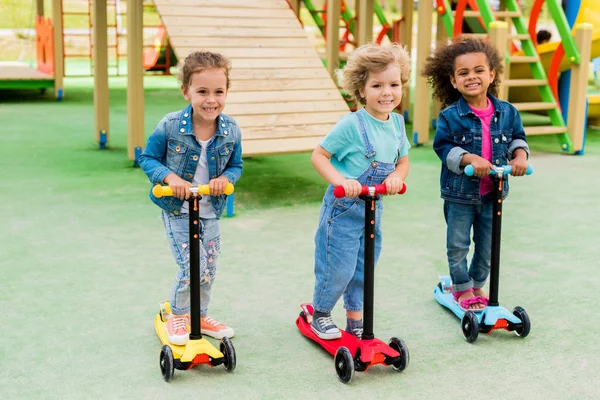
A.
pixel 372 351
pixel 489 316
pixel 198 351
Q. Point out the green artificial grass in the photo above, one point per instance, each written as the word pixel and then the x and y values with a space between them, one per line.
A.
pixel 84 264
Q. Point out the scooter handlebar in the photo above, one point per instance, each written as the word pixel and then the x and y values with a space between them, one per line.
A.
pixel 339 191
pixel 161 191
pixel 469 171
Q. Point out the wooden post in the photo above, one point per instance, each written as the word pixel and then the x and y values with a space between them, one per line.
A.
pixel 333 37
pixel 295 4
pixel 364 22
pixel 498 37
pixel 422 114
pixel 576 121
pixel 135 80
pixel 441 36
pixel 59 57
pixel 39 8
pixel 100 72
pixel 406 29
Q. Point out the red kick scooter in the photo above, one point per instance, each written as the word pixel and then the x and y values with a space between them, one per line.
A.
pixel 351 353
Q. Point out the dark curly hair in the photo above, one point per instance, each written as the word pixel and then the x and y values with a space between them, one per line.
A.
pixel 439 67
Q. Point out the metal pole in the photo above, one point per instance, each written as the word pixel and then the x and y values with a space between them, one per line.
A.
pixel 194 211
pixel 496 238
pixel 369 265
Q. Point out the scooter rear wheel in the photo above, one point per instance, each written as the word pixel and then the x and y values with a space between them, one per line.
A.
pixel 344 364
pixel 228 351
pixel 167 364
pixel 400 347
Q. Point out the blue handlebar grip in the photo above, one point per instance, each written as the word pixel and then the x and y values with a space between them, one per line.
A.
pixel 469 171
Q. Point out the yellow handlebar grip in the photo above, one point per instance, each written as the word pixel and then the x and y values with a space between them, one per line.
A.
pixel 159 191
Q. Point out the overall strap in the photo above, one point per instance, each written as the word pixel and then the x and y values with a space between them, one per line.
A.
pixel 363 134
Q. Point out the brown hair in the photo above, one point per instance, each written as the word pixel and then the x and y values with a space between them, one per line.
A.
pixel 439 67
pixel 372 58
pixel 199 61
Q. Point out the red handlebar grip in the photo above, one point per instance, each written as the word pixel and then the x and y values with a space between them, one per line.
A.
pixel 339 191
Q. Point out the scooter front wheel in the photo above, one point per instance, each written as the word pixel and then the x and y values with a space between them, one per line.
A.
pixel 228 351
pixel 470 326
pixel 344 364
pixel 400 347
pixel 167 364
pixel 525 327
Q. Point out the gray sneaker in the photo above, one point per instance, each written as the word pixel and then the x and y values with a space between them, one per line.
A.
pixel 355 331
pixel 322 325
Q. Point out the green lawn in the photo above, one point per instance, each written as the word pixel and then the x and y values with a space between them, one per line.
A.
pixel 84 263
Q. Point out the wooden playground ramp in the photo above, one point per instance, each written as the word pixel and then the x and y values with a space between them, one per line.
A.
pixel 281 94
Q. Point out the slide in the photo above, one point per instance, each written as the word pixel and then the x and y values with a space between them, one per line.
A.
pixel 155 58
pixel 589 12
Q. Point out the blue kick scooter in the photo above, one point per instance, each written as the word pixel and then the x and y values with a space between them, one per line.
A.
pixel 493 316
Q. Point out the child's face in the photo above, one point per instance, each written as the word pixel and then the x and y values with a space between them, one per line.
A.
pixel 383 92
pixel 206 93
pixel 472 76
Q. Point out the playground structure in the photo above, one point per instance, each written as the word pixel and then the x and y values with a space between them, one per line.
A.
pixel 525 68
pixel 282 96
pixel 49 57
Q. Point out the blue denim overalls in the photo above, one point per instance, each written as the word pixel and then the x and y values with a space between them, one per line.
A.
pixel 339 252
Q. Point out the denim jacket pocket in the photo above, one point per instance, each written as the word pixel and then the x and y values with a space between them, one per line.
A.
pixel 224 152
pixel 176 155
pixel 505 137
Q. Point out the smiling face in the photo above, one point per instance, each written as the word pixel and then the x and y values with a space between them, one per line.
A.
pixel 382 92
pixel 472 77
pixel 206 93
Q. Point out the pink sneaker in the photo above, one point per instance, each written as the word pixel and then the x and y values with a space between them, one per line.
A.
pixel 177 330
pixel 214 329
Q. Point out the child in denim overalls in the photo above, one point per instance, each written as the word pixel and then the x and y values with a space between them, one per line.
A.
pixel 197 145
pixel 367 147
pixel 478 129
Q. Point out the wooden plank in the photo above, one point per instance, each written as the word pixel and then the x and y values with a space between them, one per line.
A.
pixel 525 82
pixel 285 132
pixel 280 84
pixel 279 146
pixel 523 59
pixel 507 14
pixel 249 42
pixel 282 95
pixel 519 36
pixel 285 107
pixel 268 74
pixel 544 130
pixel 261 63
pixel 240 52
pixel 20 71
pixel 242 22
pixel 289 119
pixel 224 13
pixel 281 4
pixel 202 33
pixel 534 106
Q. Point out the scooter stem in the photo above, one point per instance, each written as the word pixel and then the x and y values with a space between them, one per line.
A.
pixel 194 211
pixel 369 265
pixel 498 180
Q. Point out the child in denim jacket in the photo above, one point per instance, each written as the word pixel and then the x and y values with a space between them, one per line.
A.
pixel 367 147
pixel 195 146
pixel 478 129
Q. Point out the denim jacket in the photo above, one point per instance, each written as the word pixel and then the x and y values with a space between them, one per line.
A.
pixel 173 147
pixel 459 131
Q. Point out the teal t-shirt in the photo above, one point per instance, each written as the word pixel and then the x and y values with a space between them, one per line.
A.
pixel 344 142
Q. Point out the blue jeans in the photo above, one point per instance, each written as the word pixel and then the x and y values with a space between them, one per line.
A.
pixel 459 220
pixel 339 252
pixel 178 235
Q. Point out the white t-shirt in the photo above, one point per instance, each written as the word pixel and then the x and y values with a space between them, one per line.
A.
pixel 202 177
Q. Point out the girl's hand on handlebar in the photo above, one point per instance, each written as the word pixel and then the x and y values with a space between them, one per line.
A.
pixel 393 185
pixel 352 188
pixel 519 166
pixel 217 185
pixel 481 167
pixel 180 187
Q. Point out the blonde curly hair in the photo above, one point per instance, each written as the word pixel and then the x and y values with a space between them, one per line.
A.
pixel 372 58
